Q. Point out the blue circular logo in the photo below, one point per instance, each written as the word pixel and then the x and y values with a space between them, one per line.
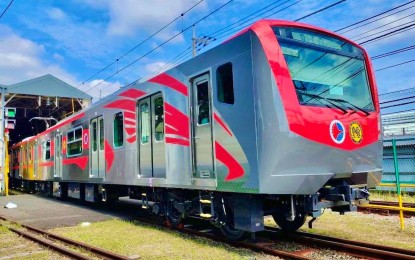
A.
pixel 337 131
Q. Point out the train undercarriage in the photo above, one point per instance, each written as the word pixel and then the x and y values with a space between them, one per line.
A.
pixel 235 214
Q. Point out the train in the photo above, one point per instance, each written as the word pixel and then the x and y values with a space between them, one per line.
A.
pixel 280 120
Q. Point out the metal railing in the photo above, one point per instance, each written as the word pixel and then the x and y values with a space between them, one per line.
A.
pixel 398 172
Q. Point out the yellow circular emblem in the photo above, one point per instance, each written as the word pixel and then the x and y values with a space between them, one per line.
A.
pixel 356 132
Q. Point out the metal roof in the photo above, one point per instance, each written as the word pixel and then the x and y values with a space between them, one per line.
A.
pixel 49 86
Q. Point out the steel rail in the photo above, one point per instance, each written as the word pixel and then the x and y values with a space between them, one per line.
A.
pixel 357 248
pixel 393 207
pixel 392 203
pixel 92 249
pixel 238 244
pixel 251 246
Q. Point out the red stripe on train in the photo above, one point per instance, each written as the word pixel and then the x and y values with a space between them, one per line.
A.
pixel 81 162
pixel 46 164
pixel 132 93
pixel 109 155
pixel 177 123
pixel 170 82
pixel 124 104
pixel 171 140
pixel 235 170
pixel 221 123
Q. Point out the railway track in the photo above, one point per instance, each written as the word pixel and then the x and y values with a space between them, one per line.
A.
pixel 350 247
pixel 266 242
pixel 61 244
pixel 313 242
pixel 387 212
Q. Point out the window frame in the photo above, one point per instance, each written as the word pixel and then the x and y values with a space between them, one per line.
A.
pixel 122 130
pixel 45 149
pixel 207 81
pixel 153 119
pixel 73 130
pixel 149 125
pixel 217 84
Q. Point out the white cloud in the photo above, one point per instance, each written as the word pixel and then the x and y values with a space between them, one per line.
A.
pixel 100 88
pixel 154 67
pixel 21 59
pixel 83 40
pixel 128 16
pixel 56 14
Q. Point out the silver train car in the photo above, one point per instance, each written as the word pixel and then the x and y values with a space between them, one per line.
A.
pixel 282 119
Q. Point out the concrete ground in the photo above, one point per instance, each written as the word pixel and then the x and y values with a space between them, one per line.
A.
pixel 47 213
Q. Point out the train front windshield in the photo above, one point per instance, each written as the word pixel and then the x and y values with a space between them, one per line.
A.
pixel 326 71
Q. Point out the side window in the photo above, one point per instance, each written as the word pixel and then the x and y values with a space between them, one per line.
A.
pixel 29 153
pixel 159 118
pixel 46 150
pixel 101 134
pixel 224 78
pixel 74 143
pixel 144 123
pixel 118 130
pixel 94 136
pixel 203 103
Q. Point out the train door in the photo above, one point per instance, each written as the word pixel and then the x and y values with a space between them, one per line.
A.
pixel 202 128
pixel 145 160
pixel 158 153
pixel 35 159
pixel 58 156
pixel 152 159
pixel 97 167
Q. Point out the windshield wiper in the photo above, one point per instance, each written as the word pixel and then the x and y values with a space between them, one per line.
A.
pixel 347 102
pixel 325 99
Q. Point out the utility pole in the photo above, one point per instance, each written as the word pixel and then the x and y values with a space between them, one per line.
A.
pixel 204 40
pixel 2 141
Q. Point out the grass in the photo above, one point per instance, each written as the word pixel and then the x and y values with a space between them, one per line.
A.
pixel 371 228
pixel 150 242
pixel 15 247
pixel 391 196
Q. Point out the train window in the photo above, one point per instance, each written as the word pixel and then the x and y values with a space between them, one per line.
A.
pixel 118 130
pixel 159 118
pixel 46 150
pixel 203 103
pixel 144 124
pixel 29 153
pixel 224 81
pixel 94 136
pixel 74 143
pixel 101 134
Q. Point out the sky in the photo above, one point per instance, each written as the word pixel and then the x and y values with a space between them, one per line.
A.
pixel 84 42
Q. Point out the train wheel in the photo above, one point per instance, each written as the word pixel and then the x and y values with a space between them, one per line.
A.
pixel 228 230
pixel 232 233
pixel 174 217
pixel 289 225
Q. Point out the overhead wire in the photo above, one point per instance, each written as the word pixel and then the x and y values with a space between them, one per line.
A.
pixel 378 19
pixel 394 52
pixel 389 34
pixel 183 56
pixel 320 10
pixel 246 17
pixel 247 20
pixel 396 65
pixel 7 7
pixel 356 37
pixel 143 41
pixel 374 16
pixel 160 45
pixel 382 31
